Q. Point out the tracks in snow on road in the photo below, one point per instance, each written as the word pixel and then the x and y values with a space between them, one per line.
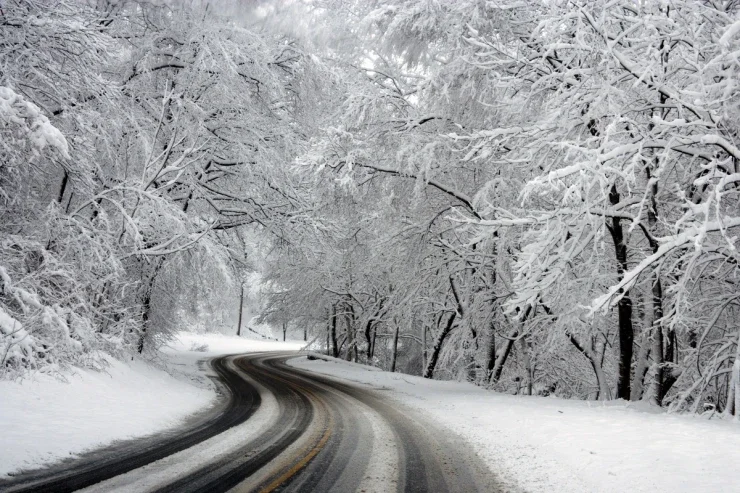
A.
pixel 281 429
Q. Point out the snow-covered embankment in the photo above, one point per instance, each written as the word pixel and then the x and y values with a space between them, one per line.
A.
pixel 44 419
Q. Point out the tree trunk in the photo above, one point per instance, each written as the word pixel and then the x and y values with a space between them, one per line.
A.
pixel 491 353
pixel 528 363
pixel 394 349
pixel 368 340
pixel 473 350
pixel 63 187
pixel 241 307
pixel 733 388
pixel 351 343
pixel 146 304
pixel 423 347
pixel 604 392
pixel 328 330
pixel 641 368
pixel 285 330
pixel 333 332
pixel 498 367
pixel 373 339
pixel 624 307
pixel 369 333
pixel 438 343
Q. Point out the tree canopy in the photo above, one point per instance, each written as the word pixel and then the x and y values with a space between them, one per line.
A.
pixel 537 197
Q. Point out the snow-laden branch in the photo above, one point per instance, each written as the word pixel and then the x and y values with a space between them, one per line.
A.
pixel 667 245
pixel 461 197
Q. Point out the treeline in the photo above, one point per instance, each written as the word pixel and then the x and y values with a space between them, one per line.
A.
pixel 138 142
pixel 539 197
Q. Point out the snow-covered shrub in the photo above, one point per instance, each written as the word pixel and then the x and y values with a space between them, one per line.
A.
pixel 52 297
pixel 198 347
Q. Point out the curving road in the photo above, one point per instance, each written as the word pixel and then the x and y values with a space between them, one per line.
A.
pixel 281 429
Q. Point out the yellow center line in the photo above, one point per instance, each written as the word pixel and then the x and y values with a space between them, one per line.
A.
pixel 298 465
pixel 287 475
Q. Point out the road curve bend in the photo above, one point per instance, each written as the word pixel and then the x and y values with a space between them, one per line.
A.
pixel 289 430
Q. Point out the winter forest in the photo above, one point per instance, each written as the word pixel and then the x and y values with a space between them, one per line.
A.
pixel 540 197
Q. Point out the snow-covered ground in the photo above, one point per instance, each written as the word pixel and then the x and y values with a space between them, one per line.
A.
pixel 541 444
pixel 532 443
pixel 44 419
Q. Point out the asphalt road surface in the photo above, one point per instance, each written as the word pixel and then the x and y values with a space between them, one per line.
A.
pixel 280 429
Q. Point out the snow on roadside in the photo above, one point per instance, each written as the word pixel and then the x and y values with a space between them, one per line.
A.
pixel 216 344
pixel 543 444
pixel 44 419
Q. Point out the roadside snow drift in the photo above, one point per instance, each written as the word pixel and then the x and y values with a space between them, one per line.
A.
pixel 44 419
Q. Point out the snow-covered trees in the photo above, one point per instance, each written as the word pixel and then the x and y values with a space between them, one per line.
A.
pixel 53 266
pixel 137 138
pixel 567 175
pixel 634 153
pixel 535 196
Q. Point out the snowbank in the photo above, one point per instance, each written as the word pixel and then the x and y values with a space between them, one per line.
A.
pixel 44 420
pixel 217 344
pixel 543 444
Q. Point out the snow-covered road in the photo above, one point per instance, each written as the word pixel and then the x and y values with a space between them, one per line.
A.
pixel 529 443
pixel 45 419
pixel 546 444
pixel 311 434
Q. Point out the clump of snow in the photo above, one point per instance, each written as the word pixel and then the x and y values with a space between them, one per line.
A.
pixel 28 117
pixel 15 342
pixel 732 31
pixel 546 444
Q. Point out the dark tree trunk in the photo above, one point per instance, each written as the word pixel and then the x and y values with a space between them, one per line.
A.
pixel 423 347
pixel 368 340
pixel 333 332
pixel 394 353
pixel 528 363
pixel 69 202
pixel 241 307
pixel 63 187
pixel 349 319
pixel 146 304
pixel 369 337
pixel 498 367
pixel 491 353
pixel 438 343
pixel 373 339
pixel 328 332
pixel 624 307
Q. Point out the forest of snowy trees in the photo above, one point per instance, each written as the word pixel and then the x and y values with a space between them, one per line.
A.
pixel 534 196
